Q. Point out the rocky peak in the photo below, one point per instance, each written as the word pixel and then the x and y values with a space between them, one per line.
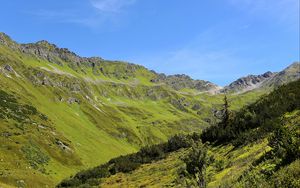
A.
pixel 247 83
pixel 295 68
pixel 291 73
pixel 4 38
pixel 267 74
pixel 50 52
pixel 181 81
pixel 46 44
pixel 7 41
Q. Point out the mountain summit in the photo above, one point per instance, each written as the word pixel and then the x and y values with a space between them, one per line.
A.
pixel 248 83
pixel 264 81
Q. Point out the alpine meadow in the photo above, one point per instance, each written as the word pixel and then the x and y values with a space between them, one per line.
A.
pixel 70 120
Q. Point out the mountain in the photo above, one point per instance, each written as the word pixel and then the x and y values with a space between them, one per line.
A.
pixel 267 80
pixel 61 113
pixel 291 73
pixel 247 83
pixel 259 146
pixel 51 53
pixel 181 81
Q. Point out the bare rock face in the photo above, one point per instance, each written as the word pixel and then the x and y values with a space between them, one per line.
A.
pixel 8 68
pixel 63 146
pixel 291 73
pixel 7 41
pixel 247 83
pixel 8 71
pixel 264 81
pixel 180 81
pixel 52 53
pixel 72 100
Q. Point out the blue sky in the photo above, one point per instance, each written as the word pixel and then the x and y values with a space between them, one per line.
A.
pixel 215 40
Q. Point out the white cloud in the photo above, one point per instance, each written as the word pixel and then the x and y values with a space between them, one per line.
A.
pixel 98 13
pixel 114 6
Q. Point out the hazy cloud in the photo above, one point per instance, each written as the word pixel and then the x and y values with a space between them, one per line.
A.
pixel 97 13
pixel 114 6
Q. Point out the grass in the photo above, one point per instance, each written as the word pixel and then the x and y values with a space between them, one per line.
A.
pixel 161 173
pixel 165 173
pixel 116 115
pixel 231 167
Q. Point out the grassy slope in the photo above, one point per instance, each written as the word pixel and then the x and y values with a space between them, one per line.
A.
pixel 164 173
pixel 114 117
pixel 157 174
pixel 252 164
pixel 229 165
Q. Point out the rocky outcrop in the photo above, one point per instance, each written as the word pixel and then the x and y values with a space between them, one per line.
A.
pixel 63 146
pixel 72 100
pixel 181 81
pixel 46 51
pixel 7 41
pixel 265 81
pixel 247 83
pixel 50 52
pixel 8 71
pixel 8 68
pixel 291 73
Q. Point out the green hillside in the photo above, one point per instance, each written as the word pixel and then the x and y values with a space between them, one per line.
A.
pixel 61 113
pixel 258 146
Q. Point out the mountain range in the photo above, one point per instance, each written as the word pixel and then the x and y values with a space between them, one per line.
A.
pixel 51 53
pixel 61 113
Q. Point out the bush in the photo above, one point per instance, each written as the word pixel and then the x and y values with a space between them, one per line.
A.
pixel 131 162
pixel 261 117
pixel 196 162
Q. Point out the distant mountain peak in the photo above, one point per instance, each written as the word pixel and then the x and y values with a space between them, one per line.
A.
pixel 181 81
pixel 247 83
pixel 266 80
pixel 46 44
pixel 54 54
pixel 291 73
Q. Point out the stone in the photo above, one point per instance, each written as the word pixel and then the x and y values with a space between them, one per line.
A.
pixel 8 68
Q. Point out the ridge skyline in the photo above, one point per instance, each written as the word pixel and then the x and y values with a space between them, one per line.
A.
pixel 47 42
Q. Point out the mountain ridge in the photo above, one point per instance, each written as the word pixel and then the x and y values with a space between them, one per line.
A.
pixel 59 117
pixel 48 51
pixel 247 83
pixel 52 53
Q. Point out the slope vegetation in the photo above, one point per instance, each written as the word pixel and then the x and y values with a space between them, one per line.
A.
pixel 260 150
pixel 61 113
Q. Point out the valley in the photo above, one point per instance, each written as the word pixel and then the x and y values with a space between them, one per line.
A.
pixel 61 113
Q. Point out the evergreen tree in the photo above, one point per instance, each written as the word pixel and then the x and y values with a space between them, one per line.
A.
pixel 196 163
pixel 226 113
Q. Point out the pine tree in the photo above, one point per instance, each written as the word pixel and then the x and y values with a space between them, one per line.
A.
pixel 226 113
pixel 196 163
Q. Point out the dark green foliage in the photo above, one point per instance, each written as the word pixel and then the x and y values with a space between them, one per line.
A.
pixel 285 144
pixel 131 162
pixel 11 109
pixel 196 162
pixel 226 113
pixel 181 141
pixel 257 119
pixel 35 156
pixel 287 177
